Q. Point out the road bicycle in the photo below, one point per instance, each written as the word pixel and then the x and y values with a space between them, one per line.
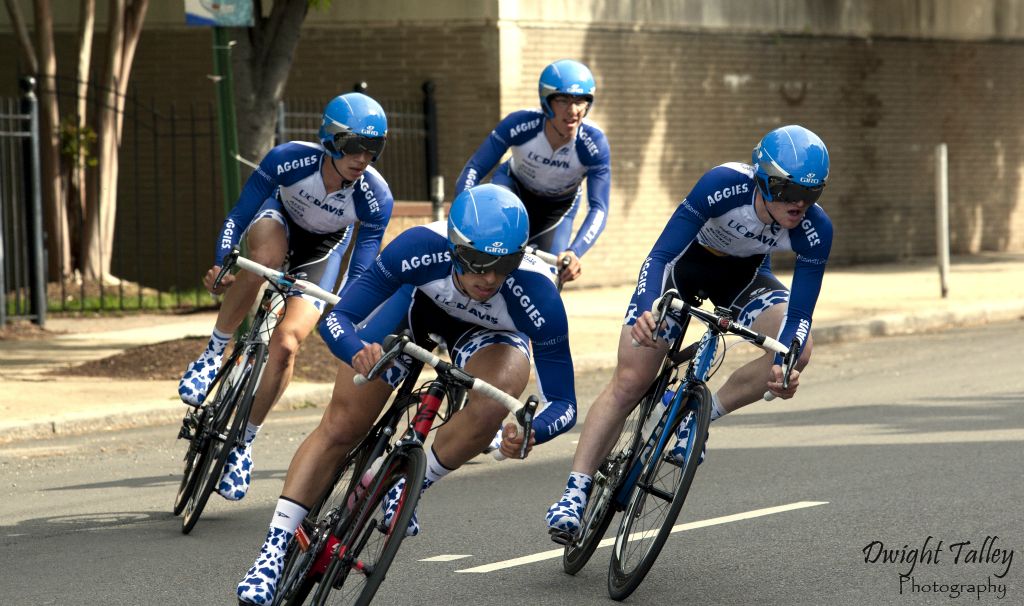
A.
pixel 218 425
pixel 640 477
pixel 342 550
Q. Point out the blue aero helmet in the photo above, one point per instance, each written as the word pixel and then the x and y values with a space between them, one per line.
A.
pixel 487 230
pixel 565 77
pixel 791 163
pixel 353 123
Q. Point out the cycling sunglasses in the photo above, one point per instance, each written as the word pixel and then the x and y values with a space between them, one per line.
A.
pixel 353 143
pixel 471 260
pixel 784 190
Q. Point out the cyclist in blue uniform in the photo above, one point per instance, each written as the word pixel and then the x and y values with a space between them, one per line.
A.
pixel 717 246
pixel 553 150
pixel 298 208
pixel 489 303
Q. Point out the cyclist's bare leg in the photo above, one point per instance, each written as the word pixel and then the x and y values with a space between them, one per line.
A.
pixel 473 427
pixel 348 417
pixel 267 245
pixel 636 368
pixel 299 319
pixel 749 382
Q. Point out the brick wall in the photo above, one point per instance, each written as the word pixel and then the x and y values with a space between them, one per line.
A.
pixel 675 102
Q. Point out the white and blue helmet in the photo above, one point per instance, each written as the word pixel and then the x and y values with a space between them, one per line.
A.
pixel 791 164
pixel 565 77
pixel 487 230
pixel 353 123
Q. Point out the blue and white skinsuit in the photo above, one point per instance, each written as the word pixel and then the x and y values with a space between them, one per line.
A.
pixel 548 181
pixel 526 310
pixel 715 247
pixel 288 187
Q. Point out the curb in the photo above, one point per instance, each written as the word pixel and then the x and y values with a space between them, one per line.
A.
pixel 317 395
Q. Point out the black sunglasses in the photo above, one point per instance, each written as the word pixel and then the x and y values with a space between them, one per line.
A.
pixel 352 143
pixel 784 190
pixel 471 260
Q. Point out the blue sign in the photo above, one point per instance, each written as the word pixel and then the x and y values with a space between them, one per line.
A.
pixel 219 13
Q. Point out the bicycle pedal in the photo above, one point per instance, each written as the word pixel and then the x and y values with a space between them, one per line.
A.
pixel 561 537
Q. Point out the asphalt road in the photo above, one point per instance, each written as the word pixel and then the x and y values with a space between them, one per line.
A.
pixel 898 449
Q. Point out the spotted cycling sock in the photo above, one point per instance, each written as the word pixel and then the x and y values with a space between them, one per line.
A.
pixel 217 344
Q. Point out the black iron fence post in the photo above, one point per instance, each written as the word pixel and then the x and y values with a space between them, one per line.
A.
pixel 434 177
pixel 37 267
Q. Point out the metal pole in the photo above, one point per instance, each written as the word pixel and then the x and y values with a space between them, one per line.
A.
pixel 226 119
pixel 942 216
pixel 30 106
pixel 282 128
pixel 434 176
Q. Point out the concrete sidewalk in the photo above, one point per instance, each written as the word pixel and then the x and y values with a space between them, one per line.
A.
pixel 855 303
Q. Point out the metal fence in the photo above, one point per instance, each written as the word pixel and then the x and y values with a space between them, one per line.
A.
pixel 169 207
pixel 22 277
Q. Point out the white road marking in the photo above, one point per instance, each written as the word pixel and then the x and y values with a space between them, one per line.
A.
pixel 557 553
pixel 445 558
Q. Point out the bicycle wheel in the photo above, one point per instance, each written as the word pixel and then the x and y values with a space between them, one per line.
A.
pixel 656 499
pixel 304 567
pixel 229 419
pixel 609 478
pixel 368 545
pixel 197 424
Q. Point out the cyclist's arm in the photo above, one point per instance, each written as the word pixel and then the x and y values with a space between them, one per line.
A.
pixel 481 162
pixel 547 327
pixel 258 187
pixel 678 233
pixel 373 208
pixel 362 296
pixel 599 180
pixel 812 251
pixel 512 130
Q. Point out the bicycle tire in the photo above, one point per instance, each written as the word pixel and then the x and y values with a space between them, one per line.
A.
pixel 608 480
pixel 230 416
pixel 405 462
pixel 197 445
pixel 636 549
pixel 297 577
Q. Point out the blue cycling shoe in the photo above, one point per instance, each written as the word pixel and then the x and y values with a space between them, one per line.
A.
pixel 197 379
pixel 259 584
pixel 564 516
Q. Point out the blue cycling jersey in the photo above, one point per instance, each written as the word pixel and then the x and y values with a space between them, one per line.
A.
pixel 548 173
pixel 718 214
pixel 291 171
pixel 528 302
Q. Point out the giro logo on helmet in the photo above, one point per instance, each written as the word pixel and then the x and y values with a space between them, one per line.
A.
pixel 497 248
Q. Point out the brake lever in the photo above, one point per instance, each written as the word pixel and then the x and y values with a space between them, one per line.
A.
pixel 666 304
pixel 789 361
pixel 393 346
pixel 525 418
pixel 229 261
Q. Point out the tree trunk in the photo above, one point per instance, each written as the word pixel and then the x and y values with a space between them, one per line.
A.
pixel 262 59
pixel 51 184
pixel 126 18
pixel 78 190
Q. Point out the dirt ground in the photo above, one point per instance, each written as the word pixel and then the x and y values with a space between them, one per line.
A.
pixel 167 360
